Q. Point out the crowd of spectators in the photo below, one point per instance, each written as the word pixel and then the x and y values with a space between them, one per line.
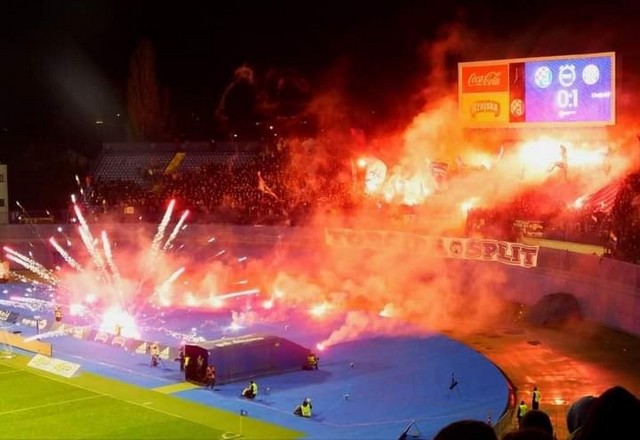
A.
pixel 274 187
pixel 261 189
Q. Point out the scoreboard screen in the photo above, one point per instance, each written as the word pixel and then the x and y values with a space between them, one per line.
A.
pixel 551 91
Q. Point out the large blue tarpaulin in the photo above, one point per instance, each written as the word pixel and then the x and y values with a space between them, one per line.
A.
pixel 244 357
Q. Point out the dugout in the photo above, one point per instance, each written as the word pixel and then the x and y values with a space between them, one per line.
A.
pixel 244 357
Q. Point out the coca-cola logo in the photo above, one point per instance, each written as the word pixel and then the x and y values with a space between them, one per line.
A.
pixel 491 78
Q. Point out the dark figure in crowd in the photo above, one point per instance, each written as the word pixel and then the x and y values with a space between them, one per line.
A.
pixel 304 409
pixel 466 430
pixel 210 377
pixel 535 398
pixel 251 391
pixel 562 164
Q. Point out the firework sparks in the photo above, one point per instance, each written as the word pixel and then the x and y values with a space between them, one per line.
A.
pixel 106 246
pixel 163 291
pixel 32 265
pixel 90 242
pixel 176 230
pixel 68 258
pixel 114 292
pixel 162 227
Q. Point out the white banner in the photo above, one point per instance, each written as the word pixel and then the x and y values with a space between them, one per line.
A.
pixel 483 249
pixel 53 365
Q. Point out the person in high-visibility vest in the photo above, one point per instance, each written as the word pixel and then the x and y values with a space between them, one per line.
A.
pixel 535 398
pixel 304 409
pixel 312 362
pixel 522 410
pixel 251 391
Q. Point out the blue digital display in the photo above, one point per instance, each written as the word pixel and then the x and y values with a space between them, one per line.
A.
pixel 569 90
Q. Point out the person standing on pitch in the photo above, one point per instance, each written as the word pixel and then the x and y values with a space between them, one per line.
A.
pixel 535 398
pixel 522 410
pixel 210 377
pixel 182 358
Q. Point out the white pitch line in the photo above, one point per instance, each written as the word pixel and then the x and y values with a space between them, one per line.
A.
pixel 116 367
pixel 8 372
pixel 147 405
pixel 29 408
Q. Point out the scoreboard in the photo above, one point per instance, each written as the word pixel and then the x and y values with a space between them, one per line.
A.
pixel 548 91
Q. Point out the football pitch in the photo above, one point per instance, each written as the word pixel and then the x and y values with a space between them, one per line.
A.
pixel 38 405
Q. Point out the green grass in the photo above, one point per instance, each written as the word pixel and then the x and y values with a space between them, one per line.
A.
pixel 38 405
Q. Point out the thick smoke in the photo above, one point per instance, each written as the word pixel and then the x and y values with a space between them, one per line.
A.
pixel 379 291
pixel 489 168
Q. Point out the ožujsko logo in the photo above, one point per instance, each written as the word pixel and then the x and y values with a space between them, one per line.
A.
pixel 485 106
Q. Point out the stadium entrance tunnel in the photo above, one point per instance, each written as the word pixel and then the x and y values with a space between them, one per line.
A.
pixel 244 357
pixel 555 309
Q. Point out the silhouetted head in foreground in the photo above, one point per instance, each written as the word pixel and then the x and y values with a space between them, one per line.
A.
pixel 537 419
pixel 528 434
pixel 577 412
pixel 613 415
pixel 467 430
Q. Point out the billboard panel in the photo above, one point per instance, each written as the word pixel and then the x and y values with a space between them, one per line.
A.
pixel 549 91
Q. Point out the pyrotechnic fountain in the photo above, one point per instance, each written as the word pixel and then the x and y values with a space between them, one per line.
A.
pixel 97 291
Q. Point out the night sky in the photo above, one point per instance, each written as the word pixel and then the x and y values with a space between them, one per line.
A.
pixel 66 63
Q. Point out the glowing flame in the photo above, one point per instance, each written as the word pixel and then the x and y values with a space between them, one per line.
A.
pixel 578 203
pixel 117 320
pixel 540 154
pixel 77 310
pixel 320 310
pixel 388 311
pixel 190 299
pixel 216 302
pixel 469 204
pixel 375 175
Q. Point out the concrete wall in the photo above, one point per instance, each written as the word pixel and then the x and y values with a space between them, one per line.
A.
pixel 14 340
pixel 608 290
